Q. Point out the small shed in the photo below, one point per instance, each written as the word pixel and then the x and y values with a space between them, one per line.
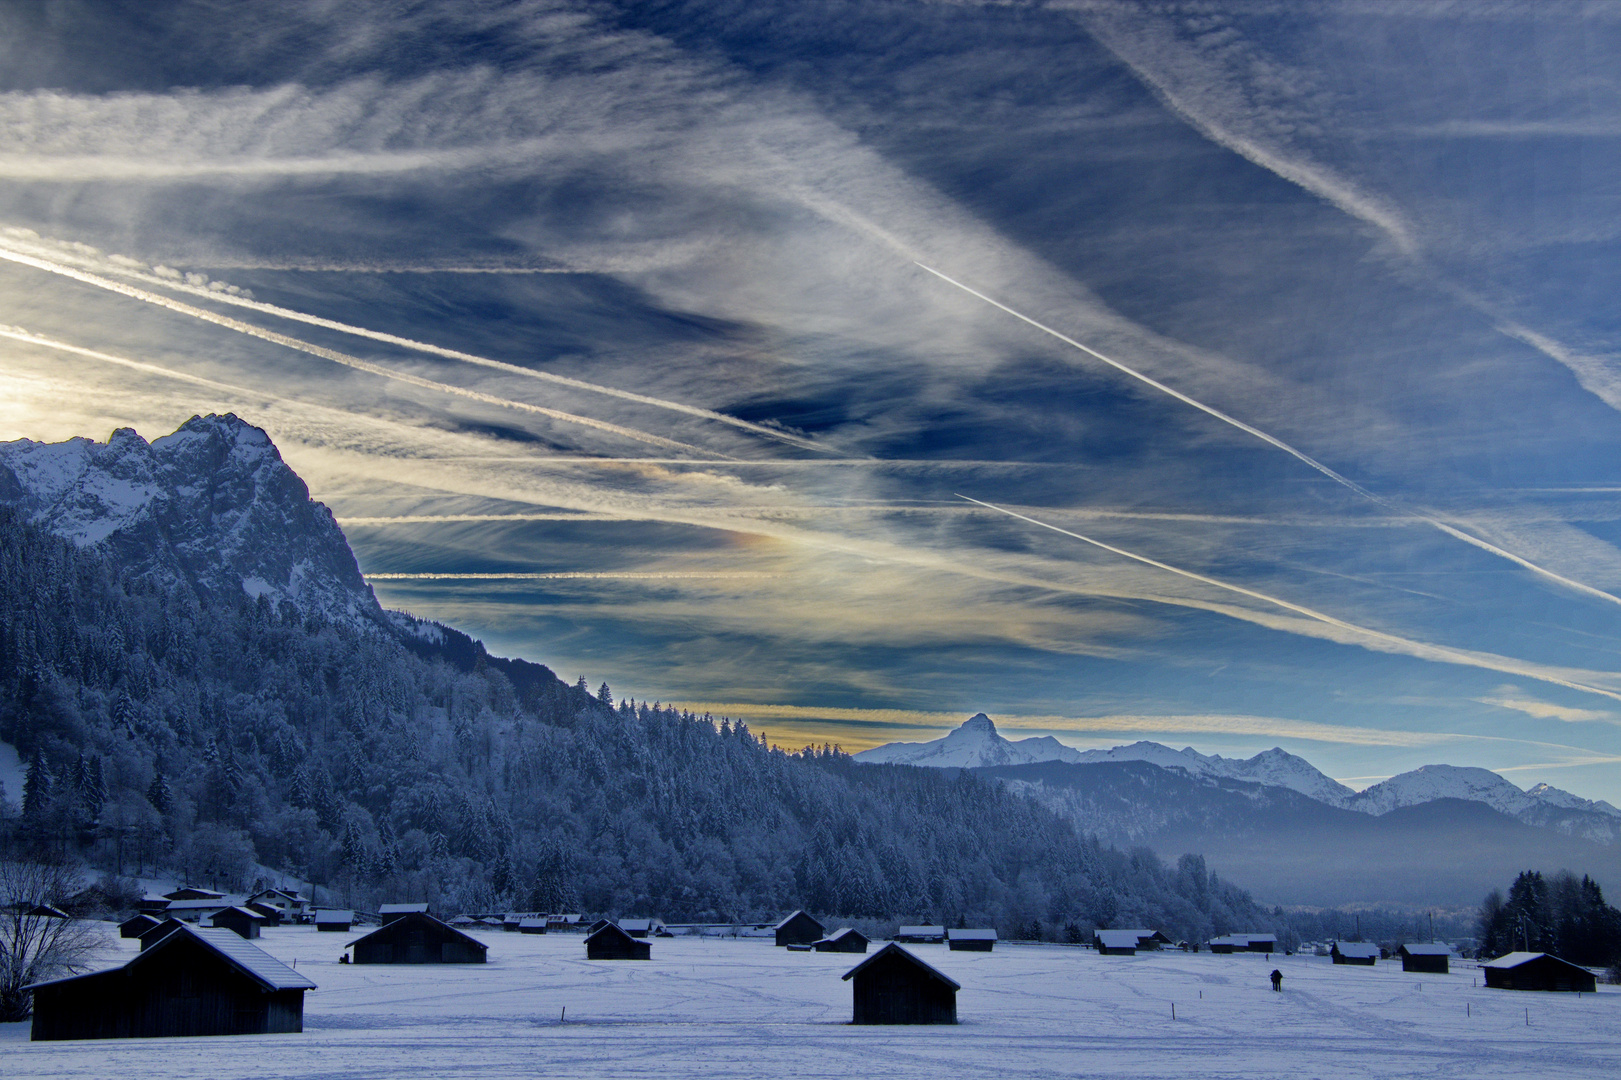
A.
pixel 1150 940
pixel 192 982
pixel 1537 971
pixel 152 903
pixel 196 911
pixel 640 928
pixel 1227 944
pixel 1262 943
pixel 273 914
pixel 1117 942
pixel 894 987
pixel 389 912
pixel 845 939
pixel 244 922
pixel 511 921
pixel 612 943
pixel 982 939
pixel 1361 953
pixel 1428 957
pixel 562 922
pixel 921 935
pixel 138 925
pixel 416 937
pixel 799 929
pixel 534 924
pixel 334 920
pixel 598 925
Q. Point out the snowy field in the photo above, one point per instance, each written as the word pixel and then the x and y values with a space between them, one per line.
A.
pixel 728 1008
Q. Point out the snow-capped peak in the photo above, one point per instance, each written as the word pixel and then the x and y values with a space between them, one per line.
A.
pixel 974 744
pixel 1275 767
pixel 212 505
pixel 1430 782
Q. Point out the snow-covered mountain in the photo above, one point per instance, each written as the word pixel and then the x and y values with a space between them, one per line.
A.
pixel 1275 767
pixel 212 504
pixel 1543 805
pixel 976 744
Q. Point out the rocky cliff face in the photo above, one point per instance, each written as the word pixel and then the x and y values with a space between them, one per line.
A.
pixel 213 505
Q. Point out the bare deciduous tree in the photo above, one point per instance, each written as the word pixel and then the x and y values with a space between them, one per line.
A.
pixel 35 945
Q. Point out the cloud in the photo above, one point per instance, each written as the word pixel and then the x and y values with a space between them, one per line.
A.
pixel 1510 698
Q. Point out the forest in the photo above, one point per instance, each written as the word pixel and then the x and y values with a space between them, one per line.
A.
pixel 225 742
pixel 1560 914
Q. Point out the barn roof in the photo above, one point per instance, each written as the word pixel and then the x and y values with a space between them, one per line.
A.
pixel 418 916
pixel 1426 948
pixel 904 954
pixel 609 928
pixel 334 915
pixel 1357 948
pixel 532 921
pixel 241 954
pixel 843 930
pixel 1515 959
pixel 1119 939
pixel 980 934
pixel 246 913
pixel 922 931
pixel 631 926
pixel 402 909
pixel 791 917
pixel 213 904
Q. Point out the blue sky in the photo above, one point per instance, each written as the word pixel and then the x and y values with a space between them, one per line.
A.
pixel 661 343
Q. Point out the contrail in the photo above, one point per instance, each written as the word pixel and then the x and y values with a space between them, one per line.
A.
pixel 40 263
pixel 1403 645
pixel 580 575
pixel 350 361
pixel 1272 440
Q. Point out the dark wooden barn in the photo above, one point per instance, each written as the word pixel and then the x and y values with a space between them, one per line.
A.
pixel 612 943
pixel 799 929
pixel 138 925
pixel 418 938
pixel 921 935
pixel 842 940
pixel 192 982
pixel 894 987
pixel 1360 953
pixel 1537 971
pixel 1428 957
pixel 598 925
pixel 534 924
pixel 244 922
pixel 980 939
pixel 191 892
pixel 387 913
pixel 334 921
pixel 1117 942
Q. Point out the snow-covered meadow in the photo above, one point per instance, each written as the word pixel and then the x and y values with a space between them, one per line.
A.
pixel 744 1008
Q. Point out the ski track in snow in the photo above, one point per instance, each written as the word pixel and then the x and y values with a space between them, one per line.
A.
pixel 707 1008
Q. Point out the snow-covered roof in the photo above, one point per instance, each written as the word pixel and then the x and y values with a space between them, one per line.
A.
pixel 790 918
pixel 1357 948
pixel 909 955
pixel 1427 948
pixel 334 915
pixel 1252 939
pixel 247 913
pixel 1118 939
pixel 976 934
pixel 1515 959
pixel 259 965
pixel 389 928
pixel 216 904
pixel 1239 940
pixel 532 920
pixel 841 931
pixel 922 931
pixel 631 926
pixel 402 909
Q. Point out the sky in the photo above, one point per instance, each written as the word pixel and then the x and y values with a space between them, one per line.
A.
pixel 1226 375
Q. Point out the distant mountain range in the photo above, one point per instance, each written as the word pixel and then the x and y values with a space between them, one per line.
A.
pixel 1440 833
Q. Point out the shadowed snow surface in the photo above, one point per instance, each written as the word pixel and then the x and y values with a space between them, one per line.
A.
pixel 723 1008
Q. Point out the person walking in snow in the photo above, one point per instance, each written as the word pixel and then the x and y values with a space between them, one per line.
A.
pixel 1277 980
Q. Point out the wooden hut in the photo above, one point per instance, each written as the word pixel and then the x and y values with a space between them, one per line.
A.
pixel 273 914
pixel 1428 957
pixel 244 922
pixel 152 903
pixel 1150 940
pixel 1536 971
pixel 334 920
pixel 982 939
pixel 138 925
pixel 598 925
pixel 387 913
pixel 844 939
pixel 192 982
pixel 534 924
pixel 921 935
pixel 196 911
pixel 799 929
pixel 416 937
pixel 1117 942
pixel 1227 944
pixel 1360 953
pixel 1262 943
pixel 894 987
pixel 612 943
